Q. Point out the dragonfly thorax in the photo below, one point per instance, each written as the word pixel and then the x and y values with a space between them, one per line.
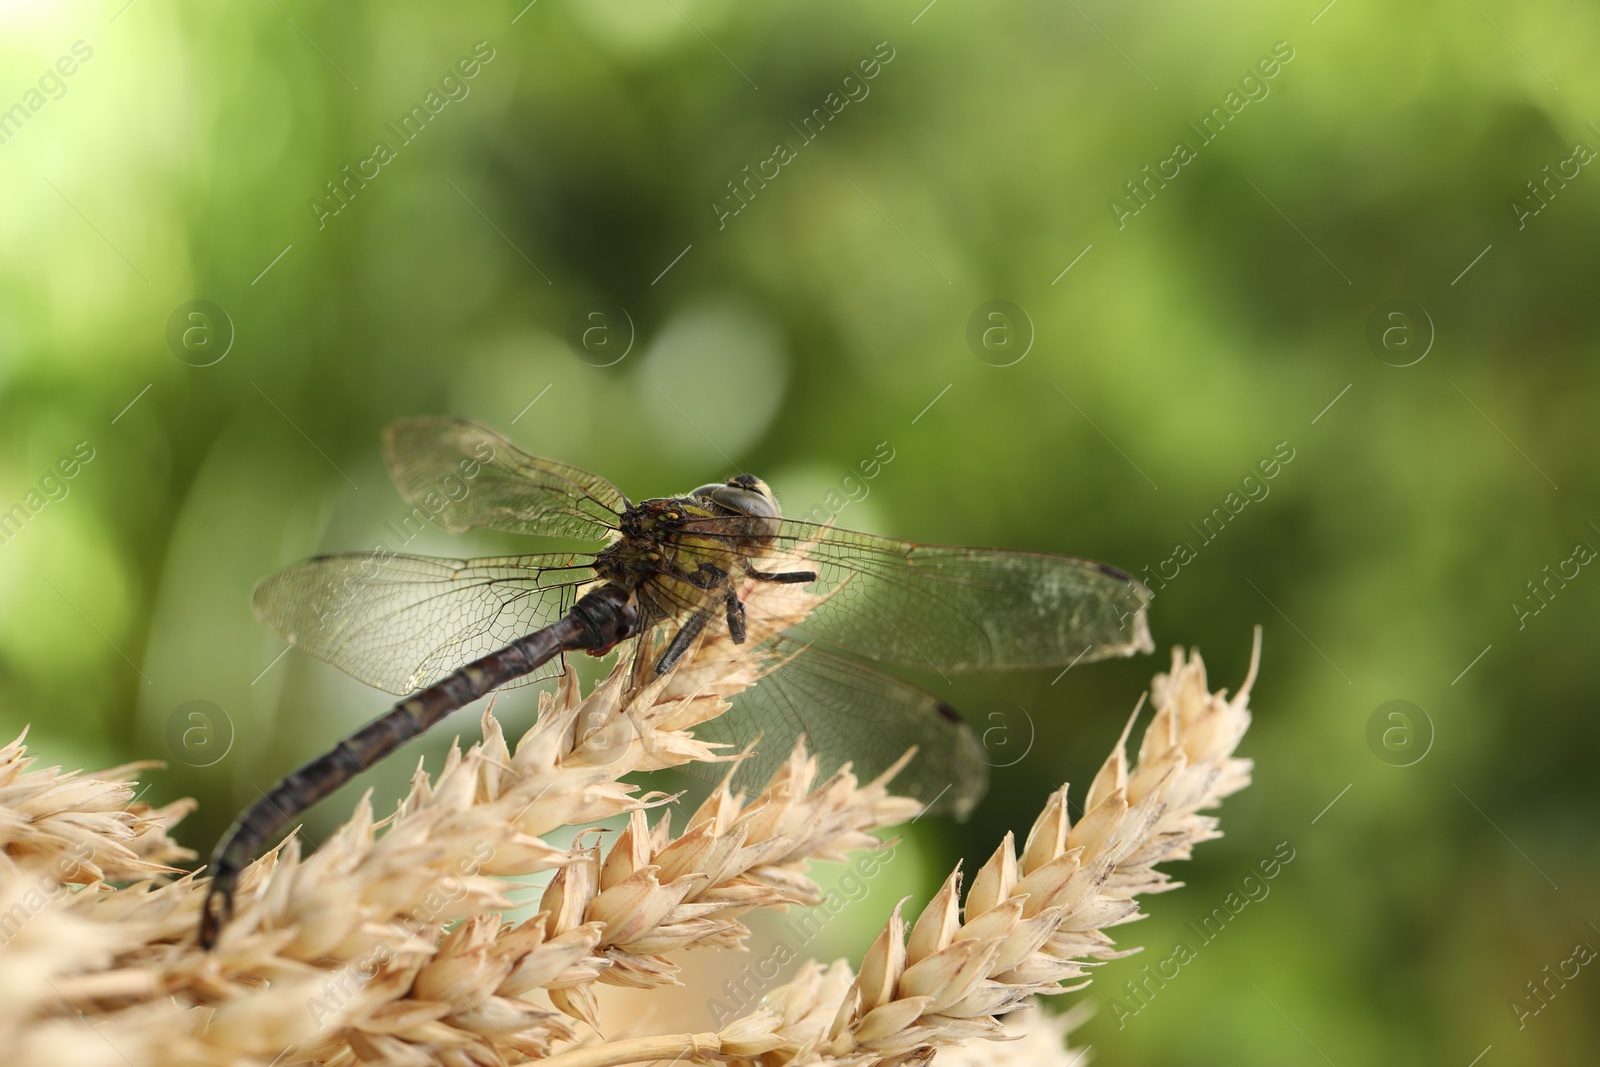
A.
pixel 691 542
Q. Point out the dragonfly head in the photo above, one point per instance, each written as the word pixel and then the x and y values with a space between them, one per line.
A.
pixel 743 493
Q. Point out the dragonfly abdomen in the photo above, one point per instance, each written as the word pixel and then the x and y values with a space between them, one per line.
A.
pixel 597 621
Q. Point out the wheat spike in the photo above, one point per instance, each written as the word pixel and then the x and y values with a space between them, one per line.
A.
pixel 388 944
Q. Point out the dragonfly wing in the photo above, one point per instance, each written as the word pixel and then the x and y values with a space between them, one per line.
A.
pixel 401 623
pixel 944 608
pixel 851 712
pixel 461 475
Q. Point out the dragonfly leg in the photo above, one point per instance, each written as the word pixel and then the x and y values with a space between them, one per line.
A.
pixel 787 577
pixel 735 609
pixel 707 576
pixel 682 640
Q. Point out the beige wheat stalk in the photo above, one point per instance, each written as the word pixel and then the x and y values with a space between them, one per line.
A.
pixel 388 944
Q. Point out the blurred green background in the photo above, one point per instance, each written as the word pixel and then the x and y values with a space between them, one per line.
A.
pixel 584 166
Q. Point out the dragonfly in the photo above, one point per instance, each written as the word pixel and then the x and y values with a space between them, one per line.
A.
pixel 668 570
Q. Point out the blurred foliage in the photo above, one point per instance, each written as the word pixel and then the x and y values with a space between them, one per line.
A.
pixel 585 162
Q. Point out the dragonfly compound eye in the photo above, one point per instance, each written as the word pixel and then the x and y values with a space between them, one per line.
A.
pixel 746 499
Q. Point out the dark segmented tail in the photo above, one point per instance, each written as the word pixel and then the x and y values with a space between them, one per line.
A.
pixel 596 622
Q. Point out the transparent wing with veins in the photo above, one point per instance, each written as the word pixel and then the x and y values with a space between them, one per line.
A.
pixel 462 475
pixel 401 623
pixel 951 609
pixel 852 713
